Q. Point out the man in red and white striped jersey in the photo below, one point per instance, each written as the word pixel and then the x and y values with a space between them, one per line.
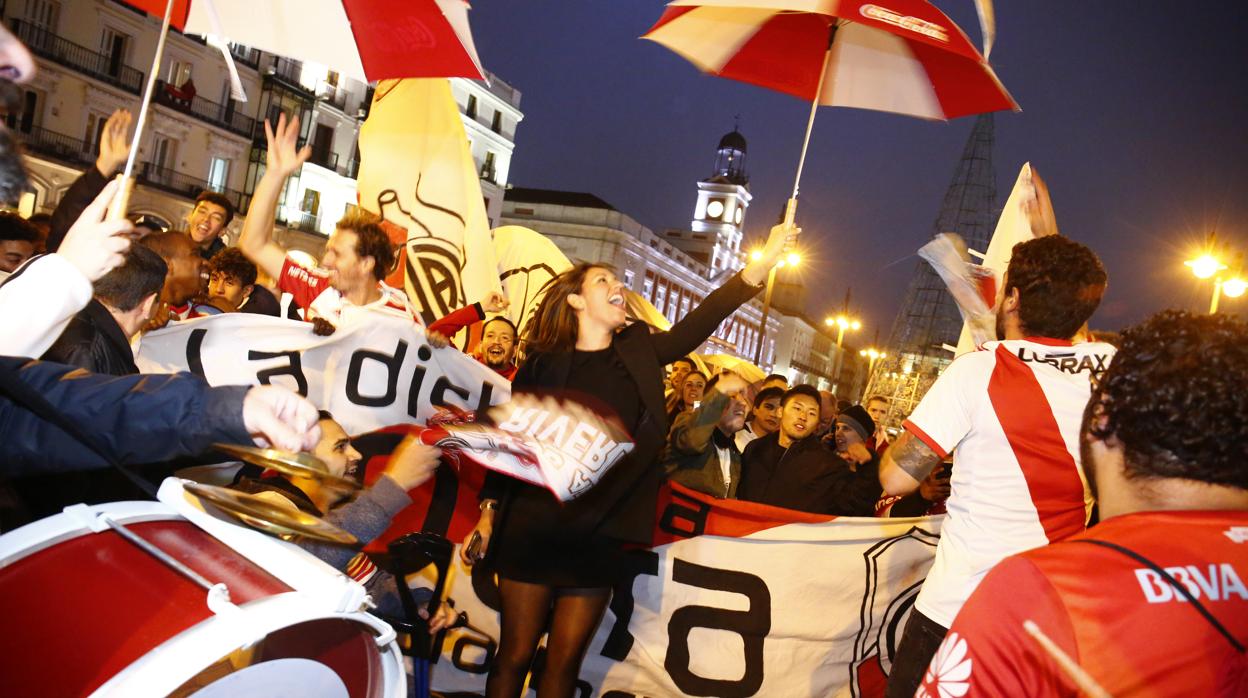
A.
pixel 1153 600
pixel 1009 413
pixel 358 255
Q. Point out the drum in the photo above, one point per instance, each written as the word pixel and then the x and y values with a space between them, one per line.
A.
pixel 171 598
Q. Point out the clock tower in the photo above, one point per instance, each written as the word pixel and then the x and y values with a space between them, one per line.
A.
pixel 722 202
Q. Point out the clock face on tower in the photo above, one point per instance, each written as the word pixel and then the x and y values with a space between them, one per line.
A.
pixel 715 209
pixel 739 216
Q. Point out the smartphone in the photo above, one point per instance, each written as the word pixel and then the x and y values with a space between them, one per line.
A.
pixel 474 547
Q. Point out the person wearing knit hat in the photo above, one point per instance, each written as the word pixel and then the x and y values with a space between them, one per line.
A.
pixel 856 420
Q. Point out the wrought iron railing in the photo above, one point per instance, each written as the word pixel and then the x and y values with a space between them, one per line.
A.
pixel 227 116
pixel 109 69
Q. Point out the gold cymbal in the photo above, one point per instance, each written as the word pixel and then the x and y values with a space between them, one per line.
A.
pixel 303 465
pixel 269 517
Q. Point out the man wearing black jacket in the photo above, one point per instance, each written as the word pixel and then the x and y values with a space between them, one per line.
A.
pixel 98 337
pixel 789 469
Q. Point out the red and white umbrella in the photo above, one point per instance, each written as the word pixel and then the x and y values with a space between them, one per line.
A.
pixel 364 39
pixel 900 56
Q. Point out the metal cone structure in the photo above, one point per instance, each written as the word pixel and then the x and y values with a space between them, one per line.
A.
pixel 928 325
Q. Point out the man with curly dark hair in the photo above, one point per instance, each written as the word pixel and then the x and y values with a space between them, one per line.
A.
pixel 1009 413
pixel 1165 443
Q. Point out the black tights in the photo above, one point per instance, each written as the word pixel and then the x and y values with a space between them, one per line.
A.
pixel 577 613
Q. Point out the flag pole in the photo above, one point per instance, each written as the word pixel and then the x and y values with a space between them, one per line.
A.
pixel 121 202
pixel 790 209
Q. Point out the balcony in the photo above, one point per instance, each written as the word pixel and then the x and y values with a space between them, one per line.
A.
pixel 287 72
pixel 249 57
pixel 183 184
pixel 332 95
pixel 297 220
pixel 58 146
pixel 107 69
pixel 226 116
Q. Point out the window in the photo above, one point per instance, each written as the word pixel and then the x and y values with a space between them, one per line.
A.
pixel 165 152
pixel 628 278
pixel 471 109
pixel 28 118
pixel 647 286
pixel 311 201
pixel 487 169
pixel 91 137
pixel 497 125
pixel 179 73
pixel 114 45
pixel 218 174
pixel 43 13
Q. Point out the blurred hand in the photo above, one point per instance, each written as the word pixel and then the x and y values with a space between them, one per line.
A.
pixel 778 241
pixel 283 157
pixel 93 245
pixel 413 463
pixel 322 327
pixel 495 302
pixel 445 617
pixel 281 418
pixel 114 146
pixel 437 340
pixel 935 487
pixel 730 384
pixel 485 527
pixel 858 453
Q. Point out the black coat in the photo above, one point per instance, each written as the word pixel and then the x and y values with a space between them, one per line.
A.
pixel 622 504
pixel 73 202
pixel 93 340
pixel 807 476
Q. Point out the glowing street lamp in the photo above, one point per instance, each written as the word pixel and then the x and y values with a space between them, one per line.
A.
pixel 873 355
pixel 1208 266
pixel 842 323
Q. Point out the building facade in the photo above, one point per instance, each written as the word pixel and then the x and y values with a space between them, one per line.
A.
pixel 93 57
pixel 588 229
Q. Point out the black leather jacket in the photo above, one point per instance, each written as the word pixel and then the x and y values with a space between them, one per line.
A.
pixel 93 340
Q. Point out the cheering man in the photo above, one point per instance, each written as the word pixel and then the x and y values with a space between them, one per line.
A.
pixel 1010 415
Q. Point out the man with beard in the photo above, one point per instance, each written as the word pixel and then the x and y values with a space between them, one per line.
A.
pixel 497 348
pixel 794 470
pixel 1154 599
pixel 1009 414
pixel 701 452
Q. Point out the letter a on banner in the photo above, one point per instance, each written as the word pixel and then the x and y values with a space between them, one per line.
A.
pixel 417 173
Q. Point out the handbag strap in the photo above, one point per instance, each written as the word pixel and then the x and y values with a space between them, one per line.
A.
pixel 1181 588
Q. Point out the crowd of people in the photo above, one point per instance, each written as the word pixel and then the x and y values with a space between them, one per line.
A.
pixel 1024 443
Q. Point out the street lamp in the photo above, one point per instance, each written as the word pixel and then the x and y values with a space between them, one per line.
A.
pixel 1208 265
pixel 792 259
pixel 874 355
pixel 842 323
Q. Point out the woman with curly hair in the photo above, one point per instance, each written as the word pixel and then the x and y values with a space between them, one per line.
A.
pixel 562 558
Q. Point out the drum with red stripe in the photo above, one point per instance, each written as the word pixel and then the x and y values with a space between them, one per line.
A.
pixel 170 598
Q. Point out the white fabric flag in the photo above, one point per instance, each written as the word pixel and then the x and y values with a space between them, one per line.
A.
pixel 369 374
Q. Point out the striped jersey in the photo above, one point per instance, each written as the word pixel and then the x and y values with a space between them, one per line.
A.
pixel 312 292
pixel 1010 415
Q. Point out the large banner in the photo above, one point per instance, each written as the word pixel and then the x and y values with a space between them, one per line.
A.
pixel 733 599
pixel 418 174
pixel 527 261
pixel 369 374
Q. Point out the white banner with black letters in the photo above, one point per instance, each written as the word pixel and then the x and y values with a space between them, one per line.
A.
pixel 734 599
pixel 368 374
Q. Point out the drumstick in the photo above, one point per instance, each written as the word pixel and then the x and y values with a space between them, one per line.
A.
pixel 1082 680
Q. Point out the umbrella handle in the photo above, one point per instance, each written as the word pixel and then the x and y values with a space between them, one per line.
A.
pixel 121 200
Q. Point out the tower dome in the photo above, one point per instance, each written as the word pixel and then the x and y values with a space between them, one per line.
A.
pixel 730 159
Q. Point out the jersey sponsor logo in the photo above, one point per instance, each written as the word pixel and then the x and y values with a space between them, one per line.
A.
pixel 1237 534
pixel 949 674
pixel 1068 362
pixel 1217 582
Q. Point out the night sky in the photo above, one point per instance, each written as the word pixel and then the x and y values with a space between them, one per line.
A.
pixel 1132 111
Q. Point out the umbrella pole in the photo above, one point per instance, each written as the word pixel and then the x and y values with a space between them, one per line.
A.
pixel 121 202
pixel 790 209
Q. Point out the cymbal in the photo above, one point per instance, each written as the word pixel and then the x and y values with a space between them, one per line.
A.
pixel 269 517
pixel 302 465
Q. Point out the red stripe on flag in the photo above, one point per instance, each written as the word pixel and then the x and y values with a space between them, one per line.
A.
pixel 1031 429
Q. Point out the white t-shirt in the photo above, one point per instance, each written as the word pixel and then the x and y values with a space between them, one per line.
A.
pixel 312 292
pixel 1010 414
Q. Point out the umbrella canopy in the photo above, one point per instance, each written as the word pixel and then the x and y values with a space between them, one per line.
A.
pixel 741 367
pixel 365 39
pixel 908 58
